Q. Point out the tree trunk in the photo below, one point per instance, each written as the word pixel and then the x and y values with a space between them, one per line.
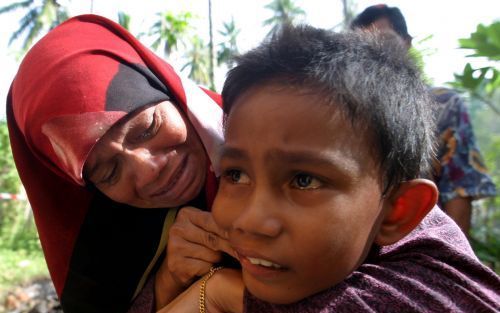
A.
pixel 211 48
pixel 347 12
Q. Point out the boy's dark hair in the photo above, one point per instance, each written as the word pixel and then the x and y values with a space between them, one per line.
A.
pixel 375 12
pixel 367 77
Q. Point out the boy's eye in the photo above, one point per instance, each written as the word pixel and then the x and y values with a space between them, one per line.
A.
pixel 236 177
pixel 305 181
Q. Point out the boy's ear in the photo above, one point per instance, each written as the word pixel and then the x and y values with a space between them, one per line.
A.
pixel 408 205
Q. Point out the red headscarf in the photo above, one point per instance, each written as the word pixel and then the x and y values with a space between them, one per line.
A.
pixel 72 86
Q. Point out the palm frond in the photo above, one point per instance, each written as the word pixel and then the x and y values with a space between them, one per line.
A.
pixel 25 22
pixel 15 6
pixel 169 30
pixel 124 20
pixel 284 12
pixel 156 43
pixel 62 15
pixel 32 34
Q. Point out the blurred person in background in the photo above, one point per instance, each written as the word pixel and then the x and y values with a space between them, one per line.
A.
pixel 459 169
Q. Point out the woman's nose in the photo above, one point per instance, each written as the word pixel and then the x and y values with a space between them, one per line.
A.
pixel 144 165
pixel 258 217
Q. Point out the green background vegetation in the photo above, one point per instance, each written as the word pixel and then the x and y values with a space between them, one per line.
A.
pixel 21 258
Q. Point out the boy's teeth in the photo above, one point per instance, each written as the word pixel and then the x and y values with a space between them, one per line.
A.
pixel 262 262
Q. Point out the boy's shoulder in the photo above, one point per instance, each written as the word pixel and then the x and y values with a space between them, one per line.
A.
pixel 436 229
pixel 428 265
pixel 432 269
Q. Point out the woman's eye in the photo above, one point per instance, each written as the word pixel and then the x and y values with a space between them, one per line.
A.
pixel 236 177
pixel 305 181
pixel 111 176
pixel 151 129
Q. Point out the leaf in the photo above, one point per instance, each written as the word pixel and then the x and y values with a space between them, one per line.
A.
pixel 15 6
pixel 485 41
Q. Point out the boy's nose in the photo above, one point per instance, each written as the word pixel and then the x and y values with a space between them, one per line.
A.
pixel 257 218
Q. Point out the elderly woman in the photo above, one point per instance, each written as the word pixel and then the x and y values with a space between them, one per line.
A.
pixel 109 142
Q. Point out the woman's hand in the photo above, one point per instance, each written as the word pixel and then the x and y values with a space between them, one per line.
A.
pixel 224 294
pixel 195 243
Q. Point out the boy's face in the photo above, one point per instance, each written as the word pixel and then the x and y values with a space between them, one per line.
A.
pixel 300 193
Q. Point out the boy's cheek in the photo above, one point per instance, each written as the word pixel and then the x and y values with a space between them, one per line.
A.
pixel 221 212
pixel 229 202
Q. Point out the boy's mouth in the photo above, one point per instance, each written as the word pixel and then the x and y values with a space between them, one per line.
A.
pixel 265 263
pixel 259 265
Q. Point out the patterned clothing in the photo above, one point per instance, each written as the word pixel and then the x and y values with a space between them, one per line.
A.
pixel 461 171
pixel 433 269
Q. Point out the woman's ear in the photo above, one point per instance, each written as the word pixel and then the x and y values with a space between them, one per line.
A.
pixel 408 205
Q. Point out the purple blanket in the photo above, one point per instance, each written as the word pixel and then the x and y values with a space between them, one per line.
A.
pixel 433 269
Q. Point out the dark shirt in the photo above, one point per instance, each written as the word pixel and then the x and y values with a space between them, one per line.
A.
pixel 433 269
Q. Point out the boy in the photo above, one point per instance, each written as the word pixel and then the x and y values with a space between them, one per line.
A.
pixel 326 137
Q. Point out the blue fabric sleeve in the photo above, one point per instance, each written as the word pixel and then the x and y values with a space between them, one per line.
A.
pixel 462 171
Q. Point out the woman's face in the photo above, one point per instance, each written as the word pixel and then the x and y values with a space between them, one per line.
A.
pixel 152 159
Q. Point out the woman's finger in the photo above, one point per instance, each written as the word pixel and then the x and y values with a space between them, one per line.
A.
pixel 183 234
pixel 202 219
pixel 180 249
pixel 199 227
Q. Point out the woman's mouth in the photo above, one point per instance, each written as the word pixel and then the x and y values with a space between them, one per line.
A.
pixel 172 182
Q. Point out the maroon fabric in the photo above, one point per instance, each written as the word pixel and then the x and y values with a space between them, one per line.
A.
pixel 145 301
pixel 431 270
pixel 62 100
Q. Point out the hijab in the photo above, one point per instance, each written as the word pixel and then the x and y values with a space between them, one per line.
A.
pixel 73 85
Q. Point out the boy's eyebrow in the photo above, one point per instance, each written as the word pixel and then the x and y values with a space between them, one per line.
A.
pixel 233 153
pixel 339 162
pixel 312 157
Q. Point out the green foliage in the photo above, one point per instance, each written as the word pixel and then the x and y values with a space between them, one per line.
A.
pixel 485 41
pixel 482 85
pixel 124 20
pixel 21 257
pixel 170 30
pixel 19 267
pixel 284 12
pixel 41 17
pixel 198 61
pixel 485 234
pixel 492 159
pixel 16 225
pixel 17 230
pixel 484 82
pixel 9 180
pixel 418 51
pixel 228 48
